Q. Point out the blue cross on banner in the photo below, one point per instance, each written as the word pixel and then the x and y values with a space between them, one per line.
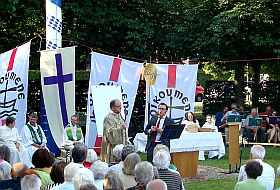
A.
pixel 58 74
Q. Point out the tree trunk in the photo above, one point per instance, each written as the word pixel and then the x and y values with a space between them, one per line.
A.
pixel 239 83
pixel 256 66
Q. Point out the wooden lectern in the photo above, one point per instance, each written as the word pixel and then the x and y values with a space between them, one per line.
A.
pixel 233 142
pixel 186 163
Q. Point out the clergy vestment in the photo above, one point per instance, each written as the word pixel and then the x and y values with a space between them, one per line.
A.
pixel 9 137
pixel 32 134
pixel 112 136
pixel 72 134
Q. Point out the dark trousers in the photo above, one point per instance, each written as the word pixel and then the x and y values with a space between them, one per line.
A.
pixel 260 134
pixel 150 150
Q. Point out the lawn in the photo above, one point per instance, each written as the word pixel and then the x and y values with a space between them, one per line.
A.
pixel 271 158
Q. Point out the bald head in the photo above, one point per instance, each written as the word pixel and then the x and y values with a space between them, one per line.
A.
pixel 156 184
pixel 18 169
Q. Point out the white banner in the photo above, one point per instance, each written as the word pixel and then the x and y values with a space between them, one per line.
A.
pixel 14 84
pixel 112 71
pixel 53 24
pixel 175 85
pixel 102 96
pixel 58 85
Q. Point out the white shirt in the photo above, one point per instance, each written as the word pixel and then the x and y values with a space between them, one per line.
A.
pixel 65 139
pixel 267 178
pixel 27 138
pixel 9 136
pixel 160 127
pixel 117 167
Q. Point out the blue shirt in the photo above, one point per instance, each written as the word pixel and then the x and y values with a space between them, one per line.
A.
pixel 11 183
pixel 67 185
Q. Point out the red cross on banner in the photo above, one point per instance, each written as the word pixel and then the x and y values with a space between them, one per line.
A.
pixel 115 71
pixel 11 62
pixel 171 76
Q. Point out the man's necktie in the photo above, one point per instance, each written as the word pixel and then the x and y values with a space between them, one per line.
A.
pixel 154 139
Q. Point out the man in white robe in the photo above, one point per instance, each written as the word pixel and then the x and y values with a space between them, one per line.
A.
pixel 72 134
pixel 33 136
pixel 9 136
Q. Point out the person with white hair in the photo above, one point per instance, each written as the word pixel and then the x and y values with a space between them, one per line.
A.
pixel 82 177
pixel 268 176
pixel 31 182
pixel 117 154
pixel 143 173
pixel 127 149
pixel 170 177
pixel 278 172
pixel 69 171
pixel 99 170
pixel 156 184
pixel 91 158
pixel 5 169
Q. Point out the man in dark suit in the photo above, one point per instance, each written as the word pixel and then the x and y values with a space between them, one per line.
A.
pixel 154 130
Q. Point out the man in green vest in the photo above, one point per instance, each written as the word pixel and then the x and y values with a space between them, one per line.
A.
pixel 72 134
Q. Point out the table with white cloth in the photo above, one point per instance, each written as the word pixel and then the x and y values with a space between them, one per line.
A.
pixel 184 151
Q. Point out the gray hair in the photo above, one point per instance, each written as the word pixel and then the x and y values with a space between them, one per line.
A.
pixel 5 169
pixel 70 170
pixel 278 170
pixel 157 184
pixel 117 152
pixel 144 172
pixel 257 152
pixel 161 160
pixel 79 153
pixel 31 181
pixel 82 177
pixel 99 169
pixel 33 115
pixel 127 149
pixel 91 156
pixel 112 181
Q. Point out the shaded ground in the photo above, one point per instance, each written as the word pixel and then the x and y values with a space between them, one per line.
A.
pixel 206 173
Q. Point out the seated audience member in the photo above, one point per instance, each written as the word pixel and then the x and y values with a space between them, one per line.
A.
pixel 219 117
pixel 267 113
pixel 56 174
pixel 5 153
pixel 41 159
pixel 117 154
pixel 233 111
pixel 88 187
pixel 143 174
pixel 69 171
pixel 254 129
pixel 31 182
pixel 268 176
pixel 79 154
pixel 29 172
pixel 99 170
pixel 162 147
pixel 9 136
pixel 112 181
pixel 84 176
pixel 33 136
pixel 272 129
pixel 156 172
pixel 209 124
pixel 16 173
pixel 190 120
pixel 156 184
pixel 91 158
pixel 127 174
pixel 5 169
pixel 170 177
pixel 127 149
pixel 278 172
pixel 253 170
pixel 72 134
